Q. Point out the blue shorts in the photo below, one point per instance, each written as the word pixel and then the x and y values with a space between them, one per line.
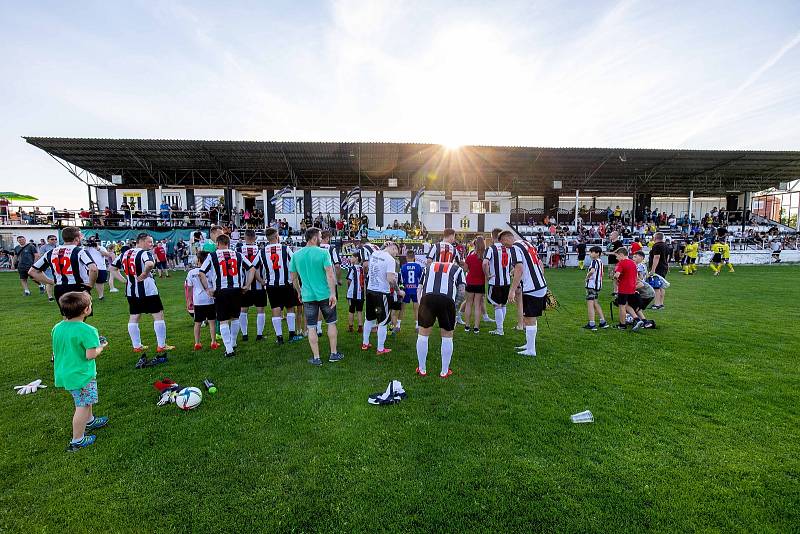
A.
pixel 86 396
pixel 410 296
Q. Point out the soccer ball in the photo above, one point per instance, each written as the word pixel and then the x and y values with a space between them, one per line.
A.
pixel 188 398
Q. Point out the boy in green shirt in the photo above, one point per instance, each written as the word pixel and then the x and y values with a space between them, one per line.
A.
pixel 75 347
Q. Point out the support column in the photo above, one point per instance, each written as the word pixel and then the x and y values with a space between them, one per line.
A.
pixel 112 198
pixel 307 204
pixel 379 208
pixel 227 199
pixel 151 199
pixel 691 201
pixel 448 217
pixel 577 200
pixel 190 199
pixel 269 208
pixel 264 202
pixel 481 216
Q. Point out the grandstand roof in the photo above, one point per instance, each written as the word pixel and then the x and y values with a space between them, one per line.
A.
pixel 522 170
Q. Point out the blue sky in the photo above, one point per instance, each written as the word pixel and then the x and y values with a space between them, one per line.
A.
pixel 597 73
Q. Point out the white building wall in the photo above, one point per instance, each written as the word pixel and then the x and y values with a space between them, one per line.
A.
pixel 128 192
pixel 388 218
pixel 500 220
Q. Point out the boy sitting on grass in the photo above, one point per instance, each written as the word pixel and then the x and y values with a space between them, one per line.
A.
pixel 75 347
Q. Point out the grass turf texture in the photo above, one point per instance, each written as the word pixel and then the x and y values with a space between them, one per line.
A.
pixel 697 424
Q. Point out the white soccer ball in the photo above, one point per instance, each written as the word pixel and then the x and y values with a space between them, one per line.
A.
pixel 188 398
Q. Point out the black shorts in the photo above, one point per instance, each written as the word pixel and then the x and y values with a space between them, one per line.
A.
pixel 437 308
pixel 717 258
pixel 377 307
pixel 140 305
pixel 283 296
pixel 102 276
pixel 632 300
pixel 60 289
pixel 356 305
pixel 498 295
pixel 161 265
pixel 477 288
pixel 23 273
pixel 692 261
pixel 592 294
pixel 395 304
pixel 228 303
pixel 532 306
pixel 254 297
pixel 205 312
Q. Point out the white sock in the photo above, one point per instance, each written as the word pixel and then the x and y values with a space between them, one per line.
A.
pixel 234 332
pixel 367 331
pixel 398 323
pixel 499 318
pixel 447 353
pixel 225 330
pixel 382 331
pixel 243 322
pixel 530 338
pixel 136 336
pixel 416 324
pixel 319 329
pixel 261 319
pixel 422 352
pixel 290 321
pixel 277 324
pixel 161 332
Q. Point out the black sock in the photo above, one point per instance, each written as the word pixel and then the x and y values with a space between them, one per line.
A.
pixel 291 333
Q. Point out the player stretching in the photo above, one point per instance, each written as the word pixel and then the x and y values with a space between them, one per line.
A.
pixel 257 296
pixel 137 264
pixel 231 274
pixel 496 268
pixel 272 271
pixel 411 273
pixel 529 276
pixel 441 283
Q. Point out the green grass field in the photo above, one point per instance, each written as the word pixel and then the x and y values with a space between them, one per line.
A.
pixel 697 425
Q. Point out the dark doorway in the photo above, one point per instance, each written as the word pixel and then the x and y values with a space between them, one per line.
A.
pixel 250 203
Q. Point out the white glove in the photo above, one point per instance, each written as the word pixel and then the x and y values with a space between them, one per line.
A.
pixel 33 387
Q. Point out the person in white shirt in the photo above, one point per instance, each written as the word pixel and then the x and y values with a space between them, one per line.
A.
pixel 102 257
pixel 202 303
pixel 381 281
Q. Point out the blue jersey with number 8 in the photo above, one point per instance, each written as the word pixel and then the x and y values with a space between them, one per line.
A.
pixel 410 274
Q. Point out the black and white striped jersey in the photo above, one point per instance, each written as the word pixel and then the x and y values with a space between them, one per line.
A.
pixel 249 251
pixel 229 268
pixel 445 253
pixel 442 278
pixel 595 280
pixel 70 264
pixel 131 264
pixel 355 282
pixel 273 264
pixel 367 250
pixel 499 265
pixel 533 282
pixel 333 251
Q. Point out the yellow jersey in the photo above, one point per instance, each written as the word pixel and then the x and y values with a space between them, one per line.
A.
pixel 718 248
pixel 691 250
pixel 726 251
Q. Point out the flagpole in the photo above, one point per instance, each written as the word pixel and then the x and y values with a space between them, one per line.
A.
pixel 294 199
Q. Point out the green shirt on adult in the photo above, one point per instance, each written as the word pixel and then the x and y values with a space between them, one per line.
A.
pixel 71 339
pixel 310 263
pixel 209 246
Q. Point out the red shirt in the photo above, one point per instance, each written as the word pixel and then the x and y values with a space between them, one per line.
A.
pixel 635 247
pixel 161 253
pixel 626 285
pixel 475 275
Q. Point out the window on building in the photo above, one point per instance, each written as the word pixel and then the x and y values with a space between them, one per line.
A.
pixel 286 205
pixel 173 199
pixel 367 205
pixel 205 202
pixel 395 205
pixel 484 206
pixel 444 206
pixel 325 205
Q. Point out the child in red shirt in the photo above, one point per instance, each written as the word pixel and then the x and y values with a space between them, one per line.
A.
pixel 625 278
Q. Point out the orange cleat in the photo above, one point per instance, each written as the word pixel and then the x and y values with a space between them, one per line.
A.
pixel 198 346
pixel 140 349
pixel 165 348
pixel 214 345
pixel 366 347
pixel 421 372
pixel 449 372
pixel 384 351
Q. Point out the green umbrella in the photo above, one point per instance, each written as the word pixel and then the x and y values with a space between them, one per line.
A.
pixel 16 196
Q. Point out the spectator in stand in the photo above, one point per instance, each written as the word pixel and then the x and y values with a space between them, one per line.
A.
pixel 164 207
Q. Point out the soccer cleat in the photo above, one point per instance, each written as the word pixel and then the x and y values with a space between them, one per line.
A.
pixel 279 340
pixel 521 347
pixel 315 361
pixel 50 299
pixel 84 442
pixel 113 290
pixel 476 331
pixel 165 348
pixel 459 320
pixel 259 337
pixel 620 327
pixel 230 354
pixel 26 293
pixel 295 339
pixel 527 353
pixel 639 324
pixel 591 327
pixel 496 332
pixel 604 324
pixel 244 337
pixel 448 373
pixel 420 372
pixel 336 357
pixel 198 346
pixel 384 351
pixel 214 345
pixel 158 360
pixel 97 422
pixel 366 347
pixel 467 329
pixel 142 362
pixel 141 349
pixel 41 290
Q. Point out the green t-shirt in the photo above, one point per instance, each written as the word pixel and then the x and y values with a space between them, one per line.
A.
pixel 70 340
pixel 209 246
pixel 310 263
